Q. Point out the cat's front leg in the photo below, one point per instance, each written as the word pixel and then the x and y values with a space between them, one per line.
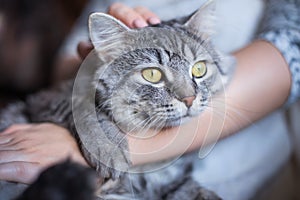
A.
pixel 103 144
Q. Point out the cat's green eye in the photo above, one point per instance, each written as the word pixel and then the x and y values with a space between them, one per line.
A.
pixel 152 75
pixel 199 69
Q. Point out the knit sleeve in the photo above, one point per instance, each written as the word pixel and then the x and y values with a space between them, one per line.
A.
pixel 281 27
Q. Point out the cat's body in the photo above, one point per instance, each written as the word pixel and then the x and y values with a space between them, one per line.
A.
pixel 135 80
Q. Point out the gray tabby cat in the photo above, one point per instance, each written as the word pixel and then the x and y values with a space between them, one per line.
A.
pixel 135 80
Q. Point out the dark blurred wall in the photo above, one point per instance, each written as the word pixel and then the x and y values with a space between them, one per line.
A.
pixel 31 32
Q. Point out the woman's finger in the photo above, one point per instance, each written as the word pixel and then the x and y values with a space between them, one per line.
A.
pixel 5 139
pixel 7 156
pixel 9 146
pixel 15 127
pixel 127 15
pixel 24 172
pixel 147 15
pixel 84 48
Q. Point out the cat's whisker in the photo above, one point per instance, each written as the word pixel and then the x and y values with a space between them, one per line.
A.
pixel 137 127
pixel 144 127
pixel 233 117
pixel 235 108
pixel 228 103
pixel 159 126
pixel 147 124
pixel 133 118
pixel 153 121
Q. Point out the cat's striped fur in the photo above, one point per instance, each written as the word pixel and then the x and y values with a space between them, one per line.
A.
pixel 122 101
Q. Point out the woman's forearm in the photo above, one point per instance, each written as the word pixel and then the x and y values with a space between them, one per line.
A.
pixel 260 85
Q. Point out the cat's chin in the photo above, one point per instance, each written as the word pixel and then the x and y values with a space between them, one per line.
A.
pixel 181 120
pixel 178 121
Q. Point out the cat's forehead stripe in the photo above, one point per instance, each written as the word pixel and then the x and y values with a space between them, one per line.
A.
pixel 181 41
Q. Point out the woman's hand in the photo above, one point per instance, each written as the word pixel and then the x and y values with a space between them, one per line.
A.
pixel 26 149
pixel 136 17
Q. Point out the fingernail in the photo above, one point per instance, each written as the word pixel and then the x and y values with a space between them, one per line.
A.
pixel 138 23
pixel 154 20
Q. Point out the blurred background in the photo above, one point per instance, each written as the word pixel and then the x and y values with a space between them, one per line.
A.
pixel 31 33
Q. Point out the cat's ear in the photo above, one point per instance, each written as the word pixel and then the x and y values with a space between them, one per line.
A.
pixel 103 28
pixel 202 21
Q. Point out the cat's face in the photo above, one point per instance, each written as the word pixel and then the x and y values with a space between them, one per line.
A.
pixel 157 76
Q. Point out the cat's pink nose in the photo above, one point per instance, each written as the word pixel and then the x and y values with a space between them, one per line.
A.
pixel 189 100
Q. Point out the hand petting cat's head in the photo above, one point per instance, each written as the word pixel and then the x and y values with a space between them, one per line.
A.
pixel 157 76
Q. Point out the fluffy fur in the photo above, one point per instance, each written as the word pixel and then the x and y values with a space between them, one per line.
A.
pixel 64 181
pixel 110 97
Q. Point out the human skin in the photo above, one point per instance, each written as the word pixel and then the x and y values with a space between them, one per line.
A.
pixel 26 149
pixel 260 85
